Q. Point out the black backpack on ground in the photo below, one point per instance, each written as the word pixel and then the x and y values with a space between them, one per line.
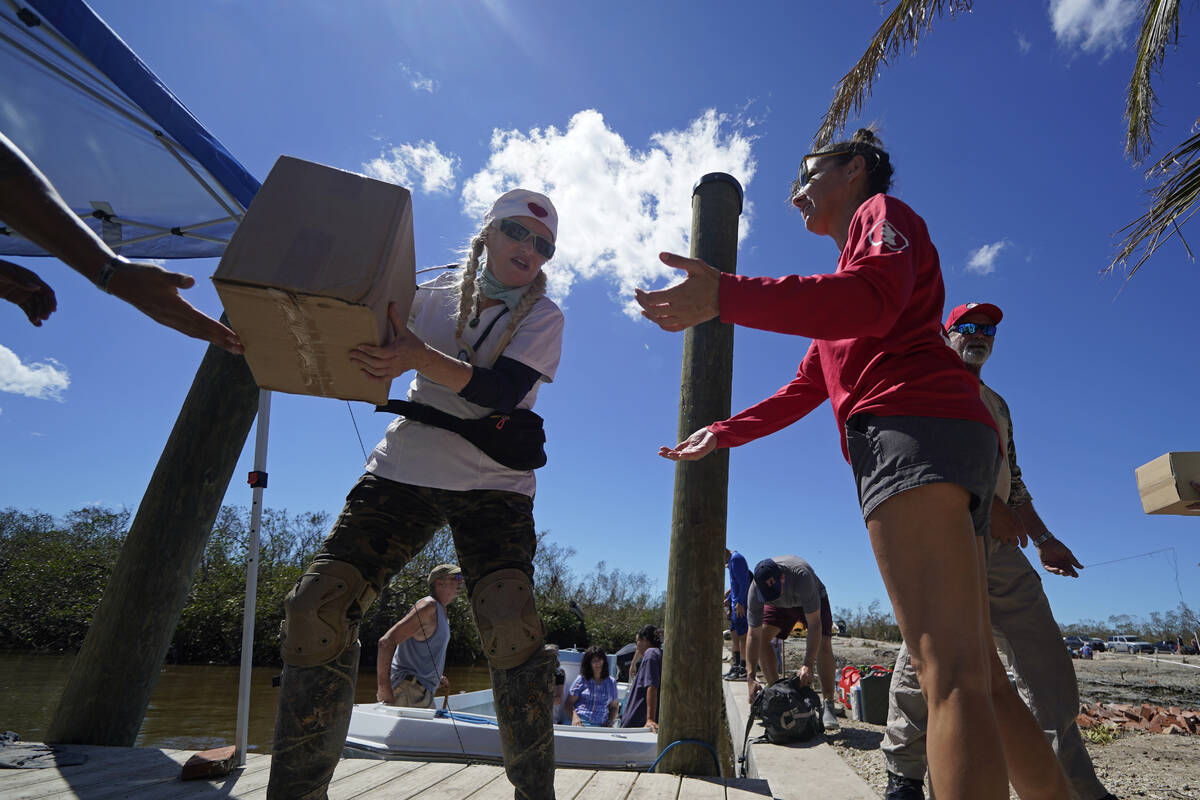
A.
pixel 789 712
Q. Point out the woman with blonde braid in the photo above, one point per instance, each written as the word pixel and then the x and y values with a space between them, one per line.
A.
pixel 480 341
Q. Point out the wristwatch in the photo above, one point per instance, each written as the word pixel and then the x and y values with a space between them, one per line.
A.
pixel 1041 540
pixel 110 268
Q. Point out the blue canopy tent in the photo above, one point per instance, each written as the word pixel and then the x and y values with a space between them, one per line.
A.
pixel 121 149
pixel 132 161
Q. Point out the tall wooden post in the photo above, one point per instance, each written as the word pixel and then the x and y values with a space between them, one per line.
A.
pixel 691 688
pixel 109 688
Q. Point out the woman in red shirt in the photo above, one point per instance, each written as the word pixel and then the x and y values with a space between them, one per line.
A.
pixel 922 446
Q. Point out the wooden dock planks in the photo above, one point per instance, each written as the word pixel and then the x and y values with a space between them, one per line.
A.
pixel 151 774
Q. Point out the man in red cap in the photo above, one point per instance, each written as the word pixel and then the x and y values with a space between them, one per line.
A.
pixel 1022 622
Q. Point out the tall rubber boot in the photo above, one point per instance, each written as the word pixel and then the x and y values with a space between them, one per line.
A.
pixel 524 700
pixel 310 727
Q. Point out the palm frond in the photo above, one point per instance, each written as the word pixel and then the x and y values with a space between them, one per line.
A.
pixel 1160 27
pixel 904 26
pixel 1173 202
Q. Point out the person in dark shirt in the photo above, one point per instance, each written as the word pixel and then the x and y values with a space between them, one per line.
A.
pixel 641 704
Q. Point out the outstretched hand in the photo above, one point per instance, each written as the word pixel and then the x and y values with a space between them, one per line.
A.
pixel 693 448
pixel 24 288
pixel 393 359
pixel 155 292
pixel 1058 558
pixel 695 300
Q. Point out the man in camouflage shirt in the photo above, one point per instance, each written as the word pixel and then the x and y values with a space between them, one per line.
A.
pixel 1022 622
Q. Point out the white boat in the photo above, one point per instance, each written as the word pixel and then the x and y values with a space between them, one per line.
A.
pixel 467 731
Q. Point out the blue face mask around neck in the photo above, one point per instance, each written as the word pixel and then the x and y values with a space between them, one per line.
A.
pixel 491 287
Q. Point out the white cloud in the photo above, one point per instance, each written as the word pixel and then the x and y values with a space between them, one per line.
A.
pixel 982 261
pixel 618 206
pixel 407 164
pixel 41 381
pixel 1023 44
pixel 418 81
pixel 1093 25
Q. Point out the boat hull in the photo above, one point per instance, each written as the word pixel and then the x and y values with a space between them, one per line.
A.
pixel 467 732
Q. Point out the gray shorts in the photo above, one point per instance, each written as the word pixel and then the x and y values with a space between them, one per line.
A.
pixel 890 455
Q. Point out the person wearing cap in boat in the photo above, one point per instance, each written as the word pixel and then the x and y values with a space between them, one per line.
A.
pixel 482 340
pixel 412 654
pixel 786 590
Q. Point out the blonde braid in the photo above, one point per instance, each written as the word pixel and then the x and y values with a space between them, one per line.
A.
pixel 537 288
pixel 468 292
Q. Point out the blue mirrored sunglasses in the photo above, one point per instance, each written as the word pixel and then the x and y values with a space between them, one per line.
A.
pixel 519 233
pixel 974 327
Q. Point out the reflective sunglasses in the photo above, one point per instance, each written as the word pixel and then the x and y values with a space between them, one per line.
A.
pixel 974 327
pixel 808 163
pixel 519 233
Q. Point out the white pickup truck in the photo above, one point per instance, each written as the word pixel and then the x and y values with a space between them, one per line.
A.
pixel 1128 644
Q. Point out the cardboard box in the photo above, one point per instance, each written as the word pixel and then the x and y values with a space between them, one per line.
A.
pixel 309 273
pixel 1165 484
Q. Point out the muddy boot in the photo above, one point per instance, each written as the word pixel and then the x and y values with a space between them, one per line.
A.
pixel 310 727
pixel 524 700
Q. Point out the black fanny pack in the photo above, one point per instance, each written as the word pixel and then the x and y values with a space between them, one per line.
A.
pixel 516 439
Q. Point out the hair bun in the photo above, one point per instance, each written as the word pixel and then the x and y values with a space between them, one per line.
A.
pixel 866 136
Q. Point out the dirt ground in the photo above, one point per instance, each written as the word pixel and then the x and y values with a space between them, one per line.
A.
pixel 1135 765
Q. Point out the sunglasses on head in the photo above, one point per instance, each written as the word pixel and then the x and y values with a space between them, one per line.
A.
pixel 519 233
pixel 974 327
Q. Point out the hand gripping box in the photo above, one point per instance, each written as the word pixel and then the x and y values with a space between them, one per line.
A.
pixel 1165 484
pixel 309 273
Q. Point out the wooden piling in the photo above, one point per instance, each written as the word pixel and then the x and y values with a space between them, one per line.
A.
pixel 109 688
pixel 691 691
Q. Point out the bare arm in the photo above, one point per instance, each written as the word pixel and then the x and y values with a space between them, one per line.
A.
pixel 652 708
pixel 30 204
pixel 812 646
pixel 1006 525
pixel 406 351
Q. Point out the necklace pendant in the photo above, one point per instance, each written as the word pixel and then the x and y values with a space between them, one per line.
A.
pixel 473 323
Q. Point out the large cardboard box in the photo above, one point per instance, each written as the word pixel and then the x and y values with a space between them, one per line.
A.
pixel 1165 484
pixel 309 273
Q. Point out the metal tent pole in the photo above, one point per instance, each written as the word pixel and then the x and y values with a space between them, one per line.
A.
pixel 258 480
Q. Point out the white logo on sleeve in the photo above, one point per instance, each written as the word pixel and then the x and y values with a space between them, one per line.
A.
pixel 885 235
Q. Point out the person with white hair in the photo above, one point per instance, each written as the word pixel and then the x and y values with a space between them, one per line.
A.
pixel 482 341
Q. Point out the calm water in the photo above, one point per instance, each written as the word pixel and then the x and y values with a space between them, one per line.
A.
pixel 192 708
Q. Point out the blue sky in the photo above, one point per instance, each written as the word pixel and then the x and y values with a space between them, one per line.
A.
pixel 1007 136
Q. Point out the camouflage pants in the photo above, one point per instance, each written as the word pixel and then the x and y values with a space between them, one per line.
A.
pixel 382 526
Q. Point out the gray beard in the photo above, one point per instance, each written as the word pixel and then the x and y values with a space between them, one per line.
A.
pixel 975 355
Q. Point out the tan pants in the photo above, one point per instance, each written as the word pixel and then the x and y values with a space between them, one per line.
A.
pixel 412 695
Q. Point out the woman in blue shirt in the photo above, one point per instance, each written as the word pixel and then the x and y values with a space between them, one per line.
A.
pixel 592 697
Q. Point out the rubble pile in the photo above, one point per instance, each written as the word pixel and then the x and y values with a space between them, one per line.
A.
pixel 1144 717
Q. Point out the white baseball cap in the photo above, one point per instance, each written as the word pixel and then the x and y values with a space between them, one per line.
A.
pixel 524 203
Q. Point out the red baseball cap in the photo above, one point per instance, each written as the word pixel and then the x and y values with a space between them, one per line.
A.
pixel 992 312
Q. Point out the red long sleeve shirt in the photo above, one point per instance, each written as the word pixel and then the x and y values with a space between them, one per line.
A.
pixel 876 324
